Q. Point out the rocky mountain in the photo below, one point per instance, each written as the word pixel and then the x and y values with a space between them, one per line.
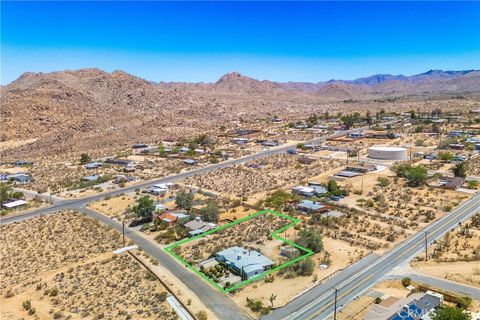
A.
pixel 73 111
pixel 433 81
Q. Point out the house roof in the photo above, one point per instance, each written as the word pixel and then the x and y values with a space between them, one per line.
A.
pixel 180 215
pixel 168 217
pixel 14 204
pixel 310 205
pixel 246 260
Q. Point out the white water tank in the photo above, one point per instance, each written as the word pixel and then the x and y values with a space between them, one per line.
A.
pixel 387 153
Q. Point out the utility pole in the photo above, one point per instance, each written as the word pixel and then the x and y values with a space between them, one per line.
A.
pixel 426 245
pixel 335 308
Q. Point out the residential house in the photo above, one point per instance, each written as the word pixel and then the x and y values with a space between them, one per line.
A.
pixel 129 168
pixel 159 207
pixel 240 140
pixel 246 263
pixel 456 146
pixel 198 226
pixel 190 162
pixel 182 218
pixel 452 183
pixel 356 135
pixel 309 206
pixel 20 163
pixel 122 162
pixel 348 174
pixel 22 178
pixel 167 218
pixel 156 190
pixel 93 165
pixel 272 143
pixel 304 191
pixel 417 306
pixel 139 146
pixel 310 191
pixel 90 178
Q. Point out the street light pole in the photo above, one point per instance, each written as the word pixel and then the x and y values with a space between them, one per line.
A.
pixel 335 308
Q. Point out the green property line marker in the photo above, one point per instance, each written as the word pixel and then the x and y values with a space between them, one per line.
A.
pixel 275 235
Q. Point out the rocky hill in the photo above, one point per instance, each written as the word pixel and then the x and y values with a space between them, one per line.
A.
pixel 74 111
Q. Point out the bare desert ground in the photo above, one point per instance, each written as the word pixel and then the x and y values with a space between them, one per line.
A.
pixel 61 266
pixel 457 255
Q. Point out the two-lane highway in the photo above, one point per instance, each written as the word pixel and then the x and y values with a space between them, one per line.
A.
pixel 321 307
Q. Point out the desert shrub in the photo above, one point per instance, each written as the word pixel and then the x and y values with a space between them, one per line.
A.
pixel 406 282
pixel 464 302
pixel 201 315
pixel 162 296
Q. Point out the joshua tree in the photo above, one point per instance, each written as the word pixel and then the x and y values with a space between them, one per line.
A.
pixel 272 298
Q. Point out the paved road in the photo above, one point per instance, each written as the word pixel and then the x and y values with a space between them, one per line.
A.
pixel 444 284
pixel 220 304
pixel 322 306
pixel 77 203
pixel 216 301
pixel 326 288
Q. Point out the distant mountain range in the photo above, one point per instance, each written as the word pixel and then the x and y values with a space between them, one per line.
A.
pixel 439 76
pixel 90 108
pixel 432 82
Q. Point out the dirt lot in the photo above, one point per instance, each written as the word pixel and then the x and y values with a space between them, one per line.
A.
pixel 61 266
pixel 457 255
pixel 262 175
pixel 474 166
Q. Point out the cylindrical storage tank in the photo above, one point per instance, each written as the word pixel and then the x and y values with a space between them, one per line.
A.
pixel 387 153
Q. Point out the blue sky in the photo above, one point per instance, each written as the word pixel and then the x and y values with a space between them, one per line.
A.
pixel 281 41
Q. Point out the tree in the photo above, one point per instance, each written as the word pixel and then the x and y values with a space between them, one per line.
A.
pixel 417 176
pixel 368 118
pixel 348 120
pixel 278 199
pixel 144 207
pixel 311 239
pixel 406 282
pixel 161 150
pixel 210 212
pixel 450 313
pixel 5 190
pixel 460 170
pixel 272 298
pixel 334 188
pixel 184 199
pixel 85 158
pixel 446 156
